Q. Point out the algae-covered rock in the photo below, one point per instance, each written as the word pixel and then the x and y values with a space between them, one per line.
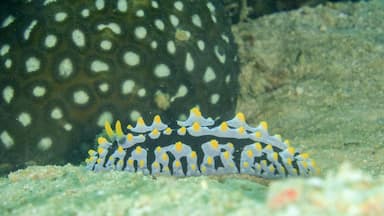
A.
pixel 316 75
pixel 70 190
pixel 345 192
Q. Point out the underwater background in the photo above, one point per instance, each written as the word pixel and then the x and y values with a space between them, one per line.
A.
pixel 315 74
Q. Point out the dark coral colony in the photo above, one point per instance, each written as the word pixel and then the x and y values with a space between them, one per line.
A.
pixel 69 68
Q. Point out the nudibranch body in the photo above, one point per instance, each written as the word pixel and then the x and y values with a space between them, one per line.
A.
pixel 198 146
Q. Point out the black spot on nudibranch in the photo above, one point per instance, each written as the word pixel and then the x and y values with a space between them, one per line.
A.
pixel 66 67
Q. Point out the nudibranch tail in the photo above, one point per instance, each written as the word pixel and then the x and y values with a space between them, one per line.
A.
pixel 199 146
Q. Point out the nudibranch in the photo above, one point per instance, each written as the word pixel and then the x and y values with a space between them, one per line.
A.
pixel 198 146
pixel 67 66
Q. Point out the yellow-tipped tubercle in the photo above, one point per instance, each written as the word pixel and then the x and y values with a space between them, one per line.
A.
pixel 241 130
pixel 129 137
pixel 214 144
pixel 108 129
pixel 196 111
pixel 264 125
pixel 240 116
pixel 179 146
pixel 157 119
pixel 224 126
pixel 155 132
pixel 101 140
pixel 138 149
pixel 119 131
pixel 140 121
pixel 196 126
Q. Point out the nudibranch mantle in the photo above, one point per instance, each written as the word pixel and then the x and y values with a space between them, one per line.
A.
pixel 199 146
